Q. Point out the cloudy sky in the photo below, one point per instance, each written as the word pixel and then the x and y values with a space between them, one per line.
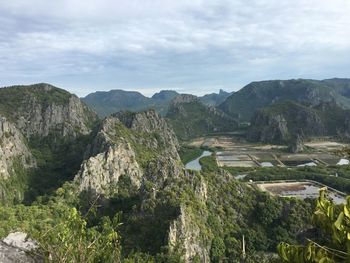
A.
pixel 195 46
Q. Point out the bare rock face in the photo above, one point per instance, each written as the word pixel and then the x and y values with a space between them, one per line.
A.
pixel 42 109
pixel 184 98
pixel 344 132
pixel 133 145
pixel 151 122
pixel 186 234
pixel 281 122
pixel 68 119
pixel 162 168
pixel 17 248
pixel 102 171
pixel 12 148
pixel 297 144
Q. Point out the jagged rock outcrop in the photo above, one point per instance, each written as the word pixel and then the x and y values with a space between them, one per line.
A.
pixel 184 98
pixel 17 248
pixel 133 145
pixel 68 119
pixel 297 144
pixel 150 122
pixel 12 149
pixel 41 109
pixel 101 173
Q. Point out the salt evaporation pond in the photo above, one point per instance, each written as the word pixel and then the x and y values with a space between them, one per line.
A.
pixel 343 162
pixel 299 189
pixel 266 164
pixel 194 164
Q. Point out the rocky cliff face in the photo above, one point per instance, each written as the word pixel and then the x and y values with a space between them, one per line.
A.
pixel 184 98
pixel 141 147
pixel 12 149
pixel 280 123
pixel 267 128
pixel 44 125
pixel 41 109
pixel 256 95
pixel 150 122
pixel 17 248
pixel 135 145
pixel 186 234
pixel 68 120
pixel 101 173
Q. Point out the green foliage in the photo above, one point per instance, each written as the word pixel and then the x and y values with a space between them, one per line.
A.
pixel 209 163
pixel 12 189
pixel 58 161
pixel 256 95
pixel 334 223
pixel 318 174
pixel 194 119
pixel 268 209
pixel 233 210
pixel 141 142
pixel 14 98
pixel 61 231
pixel 189 153
pixel 72 241
pixel 217 250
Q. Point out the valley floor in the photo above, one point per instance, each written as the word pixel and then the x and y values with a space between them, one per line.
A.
pixel 234 151
pixel 273 169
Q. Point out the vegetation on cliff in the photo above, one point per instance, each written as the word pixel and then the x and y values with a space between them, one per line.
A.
pixel 256 95
pixel 191 118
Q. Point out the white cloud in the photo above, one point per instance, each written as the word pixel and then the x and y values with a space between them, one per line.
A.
pixel 166 43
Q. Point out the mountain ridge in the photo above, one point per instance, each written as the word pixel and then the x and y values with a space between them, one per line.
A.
pixel 243 103
pixel 108 102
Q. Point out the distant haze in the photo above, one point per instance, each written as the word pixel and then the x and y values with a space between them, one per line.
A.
pixel 195 47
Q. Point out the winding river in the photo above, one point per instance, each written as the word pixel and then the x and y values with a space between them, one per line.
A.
pixel 194 164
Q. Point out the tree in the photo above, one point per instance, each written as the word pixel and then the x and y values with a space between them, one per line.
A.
pixel 217 251
pixel 72 241
pixel 334 223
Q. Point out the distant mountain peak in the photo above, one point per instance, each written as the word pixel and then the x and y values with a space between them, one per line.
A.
pixel 184 98
pixel 223 92
pixel 258 94
pixel 165 95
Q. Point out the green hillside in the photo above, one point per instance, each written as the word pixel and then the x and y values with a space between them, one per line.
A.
pixel 245 102
pixel 190 118
pixel 282 121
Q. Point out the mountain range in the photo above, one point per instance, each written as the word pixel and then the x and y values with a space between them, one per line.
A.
pixel 244 103
pixel 77 174
pixel 108 102
pixel 114 189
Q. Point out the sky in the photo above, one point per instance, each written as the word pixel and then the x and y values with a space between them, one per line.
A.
pixel 196 46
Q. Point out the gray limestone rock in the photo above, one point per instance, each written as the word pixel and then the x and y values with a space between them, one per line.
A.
pixel 12 148
pixel 17 248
